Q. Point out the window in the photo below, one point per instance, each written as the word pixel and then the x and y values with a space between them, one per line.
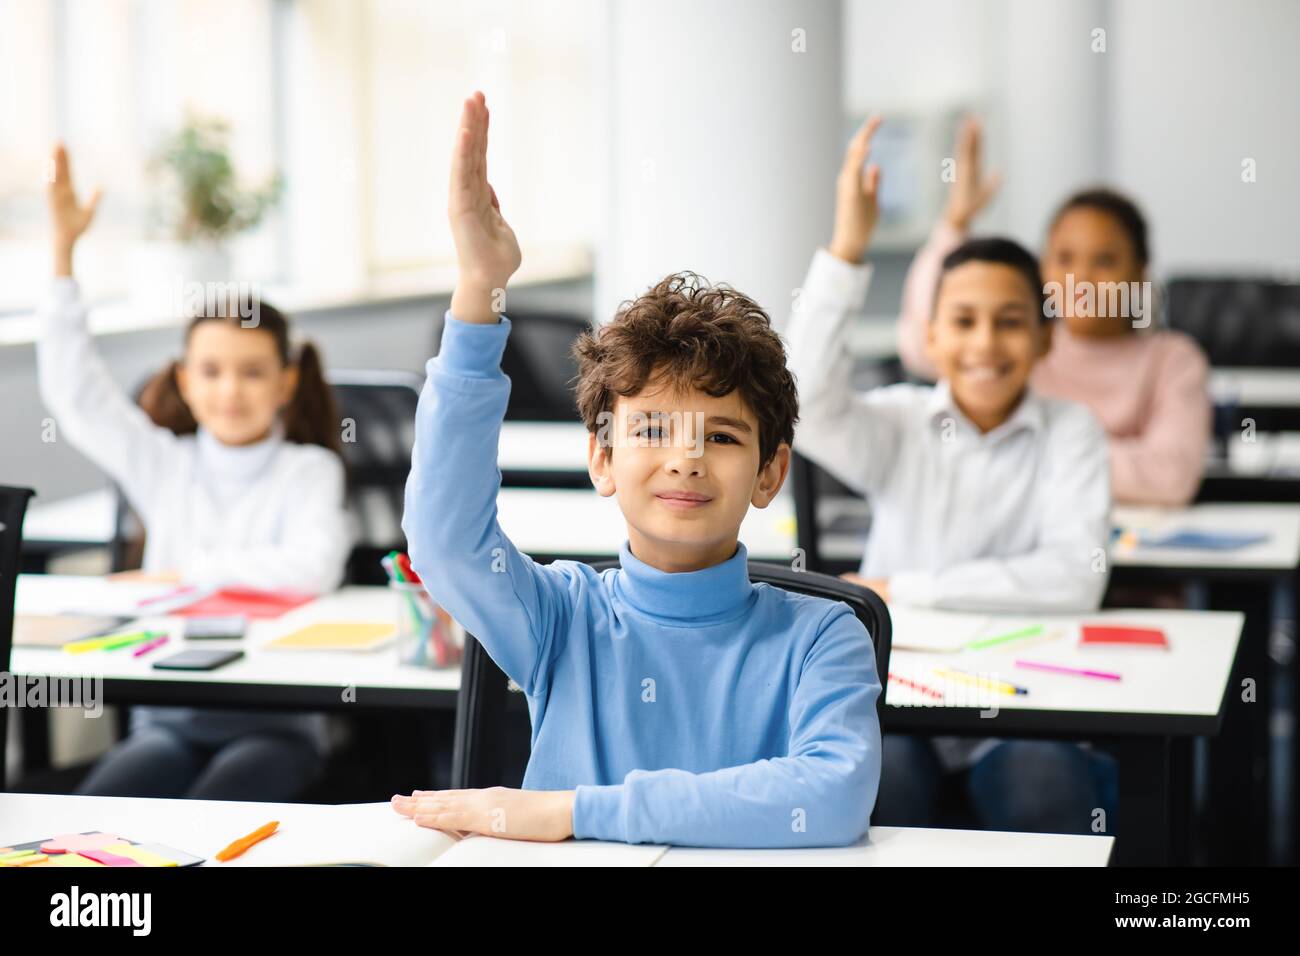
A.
pixel 354 102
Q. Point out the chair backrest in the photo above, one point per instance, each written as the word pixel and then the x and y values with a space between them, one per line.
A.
pixel 377 411
pixel 1238 321
pixel 13 506
pixel 378 421
pixel 539 361
pixel 492 736
pixel 811 484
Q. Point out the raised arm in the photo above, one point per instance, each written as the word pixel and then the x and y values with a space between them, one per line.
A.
pixel 971 191
pixel 820 794
pixel 88 406
pixel 512 605
pixel 838 429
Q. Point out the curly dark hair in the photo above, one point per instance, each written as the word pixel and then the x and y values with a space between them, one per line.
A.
pixel 687 334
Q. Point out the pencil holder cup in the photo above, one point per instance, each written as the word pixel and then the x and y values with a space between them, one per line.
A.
pixel 426 634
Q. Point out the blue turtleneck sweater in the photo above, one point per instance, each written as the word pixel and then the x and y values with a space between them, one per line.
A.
pixel 693 708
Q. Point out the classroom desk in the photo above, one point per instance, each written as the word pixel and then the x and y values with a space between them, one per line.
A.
pixel 845 520
pixel 263 677
pixel 1146 719
pixel 203 827
pixel 1266 468
pixel 1269 396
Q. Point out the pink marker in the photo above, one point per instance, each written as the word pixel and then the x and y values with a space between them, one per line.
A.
pixel 1059 669
pixel 146 648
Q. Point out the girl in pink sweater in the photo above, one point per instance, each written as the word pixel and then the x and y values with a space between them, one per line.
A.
pixel 1148 386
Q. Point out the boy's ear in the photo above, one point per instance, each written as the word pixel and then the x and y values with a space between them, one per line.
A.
pixel 599 466
pixel 771 477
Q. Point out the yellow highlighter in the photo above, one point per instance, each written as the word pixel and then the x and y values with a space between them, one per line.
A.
pixel 110 642
pixel 1001 686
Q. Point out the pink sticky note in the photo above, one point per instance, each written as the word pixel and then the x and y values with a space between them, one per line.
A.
pixel 108 859
pixel 76 842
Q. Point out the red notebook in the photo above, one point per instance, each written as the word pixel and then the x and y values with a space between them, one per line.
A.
pixel 247 602
pixel 1099 635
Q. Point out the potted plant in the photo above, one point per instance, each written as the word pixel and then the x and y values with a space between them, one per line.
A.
pixel 199 207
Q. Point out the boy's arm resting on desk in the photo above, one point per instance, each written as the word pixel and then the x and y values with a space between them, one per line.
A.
pixel 88 406
pixel 821 794
pixel 848 433
pixel 1164 464
pixel 312 549
pixel 1068 569
pixel 514 606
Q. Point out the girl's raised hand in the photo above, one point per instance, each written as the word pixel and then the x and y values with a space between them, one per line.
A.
pixel 68 216
pixel 486 247
pixel 857 191
pixel 971 191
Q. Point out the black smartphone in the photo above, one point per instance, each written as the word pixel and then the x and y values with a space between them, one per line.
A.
pixel 229 628
pixel 197 660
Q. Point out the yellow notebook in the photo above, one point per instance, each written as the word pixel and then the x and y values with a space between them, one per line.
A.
pixel 337 636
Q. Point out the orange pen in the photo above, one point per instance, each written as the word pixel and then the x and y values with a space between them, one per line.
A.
pixel 244 842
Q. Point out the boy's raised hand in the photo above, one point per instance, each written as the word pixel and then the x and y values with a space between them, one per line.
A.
pixel 486 247
pixel 68 217
pixel 857 190
pixel 971 191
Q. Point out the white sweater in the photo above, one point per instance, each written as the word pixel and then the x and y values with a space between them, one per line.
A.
pixel 268 515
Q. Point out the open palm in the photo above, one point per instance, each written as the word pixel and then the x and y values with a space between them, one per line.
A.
pixel 68 215
pixel 485 244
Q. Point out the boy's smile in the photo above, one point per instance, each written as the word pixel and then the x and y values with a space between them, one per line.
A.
pixel 986 335
pixel 685 468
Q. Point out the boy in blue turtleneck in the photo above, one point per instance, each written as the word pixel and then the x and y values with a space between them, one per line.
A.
pixel 672 701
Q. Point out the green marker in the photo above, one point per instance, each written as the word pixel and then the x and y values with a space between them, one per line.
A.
pixel 123 640
pixel 1002 638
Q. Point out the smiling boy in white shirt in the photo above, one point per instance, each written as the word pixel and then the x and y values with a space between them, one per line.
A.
pixel 984 495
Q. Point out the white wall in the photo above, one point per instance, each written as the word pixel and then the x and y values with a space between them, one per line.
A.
pixel 721 143
pixel 1183 92
pixel 1197 86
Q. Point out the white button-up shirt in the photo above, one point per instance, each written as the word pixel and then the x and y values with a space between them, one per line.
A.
pixel 1013 519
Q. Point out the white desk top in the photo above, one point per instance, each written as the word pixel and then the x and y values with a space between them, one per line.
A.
pixel 1280 552
pixel 41 594
pixel 538 521
pixel 1280 521
pixel 84 517
pixel 1188 679
pixel 916 846
pixel 1278 387
pixel 1267 455
pixel 543 446
pixel 311 832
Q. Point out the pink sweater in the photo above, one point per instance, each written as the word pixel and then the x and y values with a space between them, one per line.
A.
pixel 1148 388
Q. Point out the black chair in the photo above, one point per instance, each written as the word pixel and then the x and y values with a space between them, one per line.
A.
pixel 378 415
pixel 13 506
pixel 492 727
pixel 539 361
pixel 1239 321
pixel 812 486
